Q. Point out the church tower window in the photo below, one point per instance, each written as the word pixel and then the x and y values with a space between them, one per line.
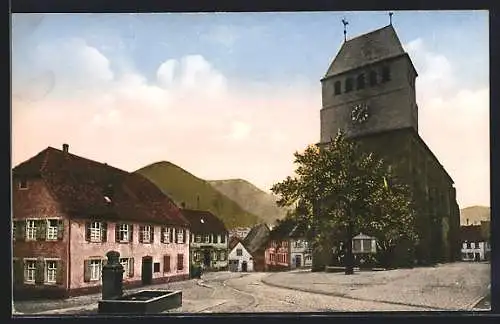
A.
pixel 386 74
pixel 361 81
pixel 348 85
pixel 337 87
pixel 373 78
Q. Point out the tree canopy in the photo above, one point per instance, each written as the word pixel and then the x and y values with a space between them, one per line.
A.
pixel 340 185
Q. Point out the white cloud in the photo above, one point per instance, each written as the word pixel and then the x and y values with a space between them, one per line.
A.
pixel 187 116
pixel 454 122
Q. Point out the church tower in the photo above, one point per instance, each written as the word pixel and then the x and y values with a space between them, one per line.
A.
pixel 369 87
pixel 369 93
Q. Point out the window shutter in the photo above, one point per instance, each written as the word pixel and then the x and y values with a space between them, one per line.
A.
pixel 141 232
pixel 117 232
pixel 171 235
pixel 184 234
pixel 60 273
pixel 131 235
pixel 131 267
pixel 41 230
pixel 166 263
pixel 104 232
pixel 20 230
pixel 86 270
pixel 152 233
pixel 87 231
pixel 174 231
pixel 162 235
pixel 18 271
pixel 60 229
pixel 39 272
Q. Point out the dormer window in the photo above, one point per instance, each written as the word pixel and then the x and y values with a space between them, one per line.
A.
pixel 373 78
pixel 361 81
pixel 337 86
pixel 386 74
pixel 348 85
pixel 23 183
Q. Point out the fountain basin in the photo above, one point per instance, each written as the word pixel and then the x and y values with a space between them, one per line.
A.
pixel 142 302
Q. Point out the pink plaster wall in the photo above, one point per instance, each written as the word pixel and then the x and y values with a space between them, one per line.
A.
pixel 81 250
pixel 276 251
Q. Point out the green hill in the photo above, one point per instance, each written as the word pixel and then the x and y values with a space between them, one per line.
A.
pixel 183 187
pixel 473 215
pixel 251 199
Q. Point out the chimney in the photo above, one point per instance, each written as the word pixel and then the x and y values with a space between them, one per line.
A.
pixel 65 148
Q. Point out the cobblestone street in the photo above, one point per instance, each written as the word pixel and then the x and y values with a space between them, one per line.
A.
pixel 456 286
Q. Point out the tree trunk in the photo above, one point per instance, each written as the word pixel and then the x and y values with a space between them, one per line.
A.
pixel 349 258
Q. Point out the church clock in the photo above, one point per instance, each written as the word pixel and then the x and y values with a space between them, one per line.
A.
pixel 359 113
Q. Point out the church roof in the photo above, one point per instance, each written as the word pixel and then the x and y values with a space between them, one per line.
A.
pixel 378 45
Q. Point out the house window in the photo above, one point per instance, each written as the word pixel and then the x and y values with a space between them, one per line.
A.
pixel 222 256
pixel 197 238
pixel 386 74
pixel 367 245
pixel 95 269
pixel 125 264
pixel 51 271
pixel 239 252
pixel 180 236
pixel 308 257
pixel 361 81
pixel 52 229
pixel 357 245
pixel 146 234
pixel 214 256
pixel 298 244
pixel 337 88
pixel 30 270
pixel 468 245
pixel 373 78
pixel 348 85
pixel 123 233
pixel 180 261
pixel 196 256
pixel 14 231
pixel 95 231
pixel 207 238
pixel 31 230
pixel 23 183
pixel 223 239
pixel 156 267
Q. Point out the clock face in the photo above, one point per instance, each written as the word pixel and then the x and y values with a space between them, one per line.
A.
pixel 359 114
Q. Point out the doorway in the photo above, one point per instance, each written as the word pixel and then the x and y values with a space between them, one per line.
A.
pixel 244 266
pixel 298 261
pixel 206 258
pixel 147 270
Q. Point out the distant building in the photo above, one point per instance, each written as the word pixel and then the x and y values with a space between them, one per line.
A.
pixel 255 242
pixel 68 212
pixel 240 259
pixel 475 246
pixel 287 247
pixel 209 240
pixel 240 232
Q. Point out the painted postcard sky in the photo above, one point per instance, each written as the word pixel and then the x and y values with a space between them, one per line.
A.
pixel 233 95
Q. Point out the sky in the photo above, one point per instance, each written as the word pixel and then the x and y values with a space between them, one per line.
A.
pixel 234 95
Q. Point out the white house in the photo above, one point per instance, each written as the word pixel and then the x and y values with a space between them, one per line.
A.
pixel 301 253
pixel 362 243
pixel 475 247
pixel 240 260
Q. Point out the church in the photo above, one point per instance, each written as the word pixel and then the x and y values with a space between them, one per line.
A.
pixel 369 92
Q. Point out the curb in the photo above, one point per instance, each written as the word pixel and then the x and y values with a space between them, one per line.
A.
pixel 356 298
pixel 477 300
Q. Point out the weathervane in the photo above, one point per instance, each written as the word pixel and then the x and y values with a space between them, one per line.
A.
pixel 345 22
pixel 390 17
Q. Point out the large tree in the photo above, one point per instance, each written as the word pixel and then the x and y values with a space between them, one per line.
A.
pixel 342 189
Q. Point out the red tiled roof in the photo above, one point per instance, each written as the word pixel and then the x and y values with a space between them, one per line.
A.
pixel 233 241
pixel 471 233
pixel 204 222
pixel 80 186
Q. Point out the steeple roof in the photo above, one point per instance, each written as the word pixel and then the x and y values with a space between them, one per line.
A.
pixel 365 49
